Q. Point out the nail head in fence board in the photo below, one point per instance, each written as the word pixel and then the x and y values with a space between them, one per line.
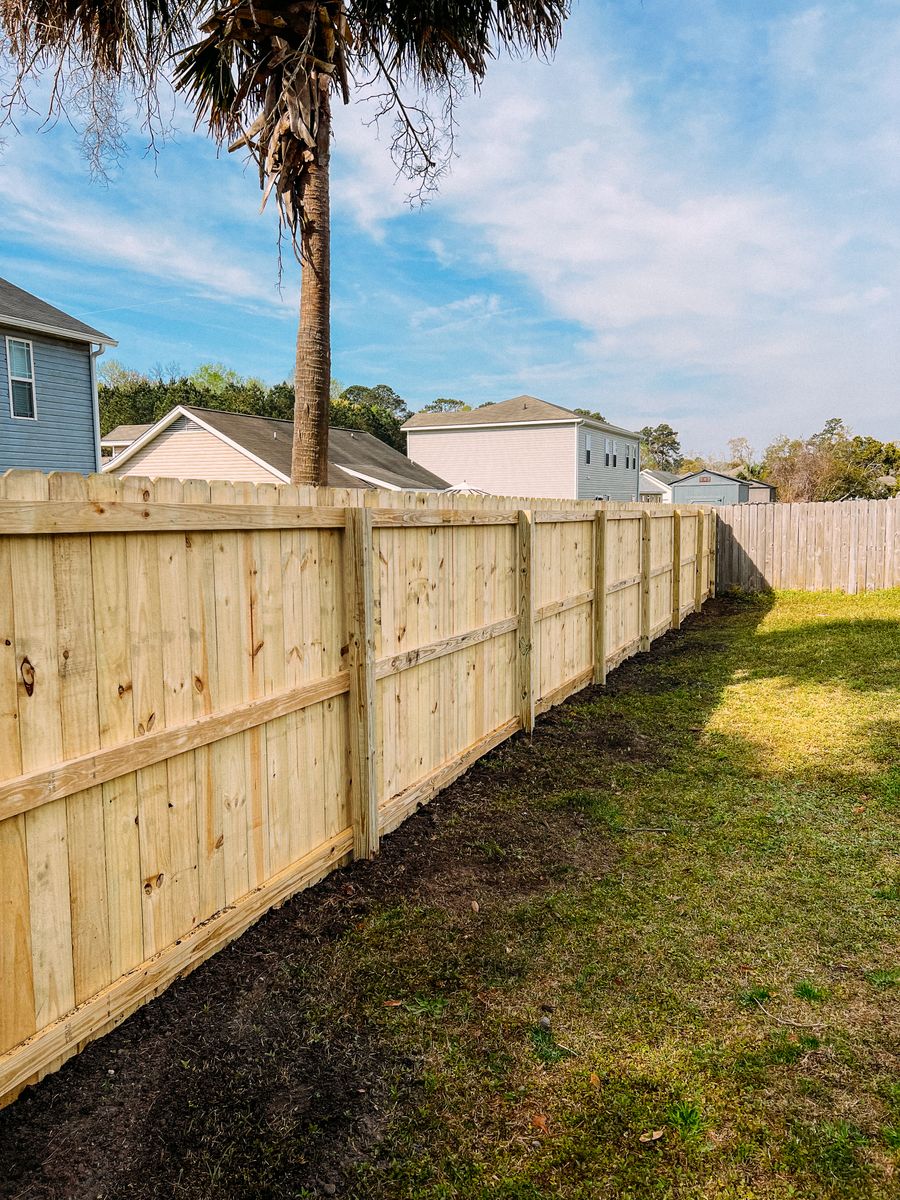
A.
pixel 599 611
pixel 526 619
pixel 359 566
pixel 646 554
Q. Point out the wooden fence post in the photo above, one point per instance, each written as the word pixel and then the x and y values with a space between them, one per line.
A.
pixel 600 597
pixel 646 556
pixel 525 592
pixel 698 565
pixel 359 584
pixel 712 517
pixel 676 571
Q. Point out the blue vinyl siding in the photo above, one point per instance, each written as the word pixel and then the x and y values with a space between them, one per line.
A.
pixel 595 478
pixel 62 437
pixel 719 490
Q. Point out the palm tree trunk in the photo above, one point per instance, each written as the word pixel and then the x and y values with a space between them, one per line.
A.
pixel 312 377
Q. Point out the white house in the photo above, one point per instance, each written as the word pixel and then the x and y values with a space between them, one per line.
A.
pixel 657 485
pixel 205 443
pixel 527 447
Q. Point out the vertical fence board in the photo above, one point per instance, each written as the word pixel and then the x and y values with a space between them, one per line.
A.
pixel 167 630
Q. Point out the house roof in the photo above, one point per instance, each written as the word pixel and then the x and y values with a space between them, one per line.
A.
pixel 520 410
pixel 666 477
pixel 355 459
pixel 713 471
pixel 650 484
pixel 22 310
pixel 123 434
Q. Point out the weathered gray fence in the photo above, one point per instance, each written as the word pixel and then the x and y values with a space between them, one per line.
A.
pixel 850 546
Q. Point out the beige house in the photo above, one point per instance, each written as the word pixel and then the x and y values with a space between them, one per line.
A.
pixel 204 443
pixel 527 447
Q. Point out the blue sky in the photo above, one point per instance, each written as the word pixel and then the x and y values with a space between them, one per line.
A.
pixel 691 215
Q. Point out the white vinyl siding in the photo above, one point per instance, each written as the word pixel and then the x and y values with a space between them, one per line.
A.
pixel 185 451
pixel 507 460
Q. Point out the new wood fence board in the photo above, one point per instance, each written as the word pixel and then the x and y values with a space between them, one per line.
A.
pixel 176 713
pixel 848 546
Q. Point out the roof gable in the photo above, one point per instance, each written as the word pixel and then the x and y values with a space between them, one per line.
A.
pixel 710 471
pixel 520 410
pixel 24 311
pixel 355 459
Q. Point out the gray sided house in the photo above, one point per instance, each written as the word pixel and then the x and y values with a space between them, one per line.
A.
pixel 206 443
pixel 710 487
pixel 48 386
pixel 527 447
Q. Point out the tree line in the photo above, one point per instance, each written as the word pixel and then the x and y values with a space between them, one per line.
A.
pixel 833 464
pixel 128 397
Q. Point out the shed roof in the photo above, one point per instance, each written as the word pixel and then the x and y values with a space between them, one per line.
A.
pixel 24 311
pixel 520 410
pixel 711 471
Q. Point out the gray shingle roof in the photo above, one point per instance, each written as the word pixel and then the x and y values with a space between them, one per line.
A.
pixel 270 440
pixel 26 311
pixel 518 410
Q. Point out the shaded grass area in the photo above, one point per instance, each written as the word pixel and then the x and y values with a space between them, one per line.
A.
pixel 652 952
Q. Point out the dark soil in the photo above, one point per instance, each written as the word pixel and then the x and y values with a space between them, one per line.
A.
pixel 260 1074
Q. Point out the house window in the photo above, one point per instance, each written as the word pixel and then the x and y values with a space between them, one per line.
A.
pixel 615 453
pixel 607 449
pixel 21 379
pixel 587 448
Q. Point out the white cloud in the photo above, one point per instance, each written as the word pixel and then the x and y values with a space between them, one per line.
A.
pixel 174 234
pixel 707 280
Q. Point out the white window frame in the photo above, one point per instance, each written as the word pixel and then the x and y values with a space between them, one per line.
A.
pixel 615 458
pixel 606 456
pixel 11 379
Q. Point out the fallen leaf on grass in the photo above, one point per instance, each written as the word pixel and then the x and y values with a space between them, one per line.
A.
pixel 476 907
pixel 392 1003
pixel 653 1135
pixel 594 1080
pixel 539 1121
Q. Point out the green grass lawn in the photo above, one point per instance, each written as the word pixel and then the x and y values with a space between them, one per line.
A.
pixel 725 996
pixel 652 951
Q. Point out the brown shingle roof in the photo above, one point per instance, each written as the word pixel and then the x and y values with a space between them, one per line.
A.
pixel 270 440
pixel 517 411
pixel 125 434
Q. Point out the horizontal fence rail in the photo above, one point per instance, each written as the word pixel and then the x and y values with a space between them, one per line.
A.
pixel 847 546
pixel 211 695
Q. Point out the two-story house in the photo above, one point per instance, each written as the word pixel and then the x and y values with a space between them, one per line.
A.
pixel 527 447
pixel 48 385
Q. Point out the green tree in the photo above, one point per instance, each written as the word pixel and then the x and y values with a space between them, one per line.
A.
pixel 444 404
pixel 660 447
pixel 832 465
pixel 262 78
pixel 377 410
pixel 593 414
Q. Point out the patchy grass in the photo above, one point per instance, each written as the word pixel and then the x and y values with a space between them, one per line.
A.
pixel 679 979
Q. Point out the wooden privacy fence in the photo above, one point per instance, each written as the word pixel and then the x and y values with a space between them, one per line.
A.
pixel 848 546
pixel 213 694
